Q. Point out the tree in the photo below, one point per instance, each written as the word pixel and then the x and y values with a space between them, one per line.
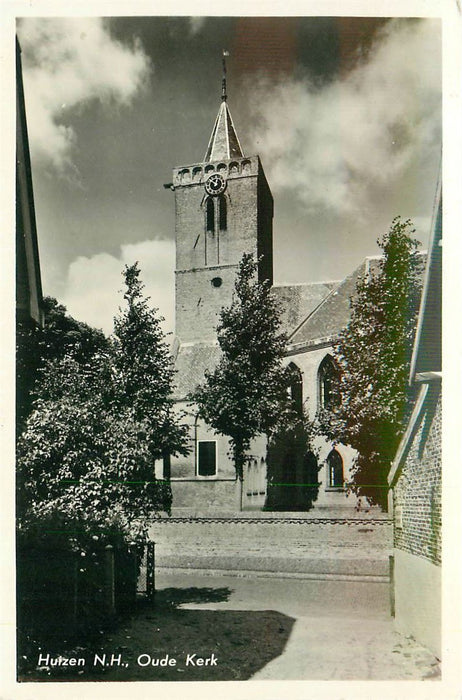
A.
pixel 84 461
pixel 373 354
pixel 247 392
pixel 86 455
pixel 63 334
pixel 144 370
pixel 35 346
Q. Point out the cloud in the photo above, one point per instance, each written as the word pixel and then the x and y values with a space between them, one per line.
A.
pixel 68 62
pixel 92 285
pixel 333 144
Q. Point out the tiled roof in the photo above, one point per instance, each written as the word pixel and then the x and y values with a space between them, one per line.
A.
pixel 191 362
pixel 223 143
pixel 333 313
pixel 299 300
pixel 311 313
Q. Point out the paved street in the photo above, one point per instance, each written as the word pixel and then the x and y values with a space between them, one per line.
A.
pixel 342 629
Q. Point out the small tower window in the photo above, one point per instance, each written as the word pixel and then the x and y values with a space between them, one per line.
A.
pixel 210 215
pixel 222 214
pixel 335 467
pixel 217 282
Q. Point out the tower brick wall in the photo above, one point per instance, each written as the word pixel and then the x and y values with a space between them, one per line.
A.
pixel 207 261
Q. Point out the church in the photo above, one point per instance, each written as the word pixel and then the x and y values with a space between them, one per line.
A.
pixel 223 209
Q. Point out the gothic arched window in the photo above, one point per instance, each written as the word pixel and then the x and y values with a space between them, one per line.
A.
pixel 328 381
pixel 335 469
pixel 210 215
pixel 222 214
pixel 296 388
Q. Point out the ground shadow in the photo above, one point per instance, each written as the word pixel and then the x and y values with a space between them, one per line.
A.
pixel 172 597
pixel 161 642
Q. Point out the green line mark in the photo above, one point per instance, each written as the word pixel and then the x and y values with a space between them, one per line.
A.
pixel 378 486
pixel 283 484
pixel 112 481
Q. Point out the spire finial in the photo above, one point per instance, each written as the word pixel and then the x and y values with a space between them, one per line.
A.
pixel 224 96
pixel 223 143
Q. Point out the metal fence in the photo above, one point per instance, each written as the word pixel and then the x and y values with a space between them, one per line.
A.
pixel 146 576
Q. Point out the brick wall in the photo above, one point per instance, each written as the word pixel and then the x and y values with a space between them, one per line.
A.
pixel 206 262
pixel 417 494
pixel 199 302
pixel 298 545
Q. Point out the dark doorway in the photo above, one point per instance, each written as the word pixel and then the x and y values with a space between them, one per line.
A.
pixel 292 474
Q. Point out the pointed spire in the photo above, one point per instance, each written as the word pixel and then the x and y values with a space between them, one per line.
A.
pixel 224 143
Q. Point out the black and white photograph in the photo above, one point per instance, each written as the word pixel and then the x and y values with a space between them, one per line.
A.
pixel 228 412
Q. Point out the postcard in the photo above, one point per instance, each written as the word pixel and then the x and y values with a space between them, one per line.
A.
pixel 228 436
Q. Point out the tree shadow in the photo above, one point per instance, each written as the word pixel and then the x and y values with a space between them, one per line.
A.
pixel 173 597
pixel 237 643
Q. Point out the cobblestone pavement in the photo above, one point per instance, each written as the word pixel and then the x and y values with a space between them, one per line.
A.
pixel 343 629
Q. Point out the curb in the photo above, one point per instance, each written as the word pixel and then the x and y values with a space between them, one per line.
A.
pixel 252 573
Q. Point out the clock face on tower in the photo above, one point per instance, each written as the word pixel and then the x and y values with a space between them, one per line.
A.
pixel 215 184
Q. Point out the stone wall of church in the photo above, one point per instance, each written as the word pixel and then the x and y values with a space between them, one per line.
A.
pixel 186 467
pixel 308 362
pixel 218 493
pixel 201 494
pixel 200 497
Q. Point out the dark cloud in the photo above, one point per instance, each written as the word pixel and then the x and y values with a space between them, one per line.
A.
pixel 291 86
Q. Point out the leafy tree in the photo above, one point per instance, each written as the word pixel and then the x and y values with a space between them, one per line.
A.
pixel 87 453
pixel 247 392
pixel 35 346
pixel 63 334
pixel 373 354
pixel 84 460
pixel 144 370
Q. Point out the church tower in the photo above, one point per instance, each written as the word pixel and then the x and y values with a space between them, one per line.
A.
pixel 223 209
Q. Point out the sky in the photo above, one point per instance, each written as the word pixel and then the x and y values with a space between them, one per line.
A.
pixel 345 114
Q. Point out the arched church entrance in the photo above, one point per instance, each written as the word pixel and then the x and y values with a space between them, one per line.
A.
pixel 292 476
pixel 292 470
